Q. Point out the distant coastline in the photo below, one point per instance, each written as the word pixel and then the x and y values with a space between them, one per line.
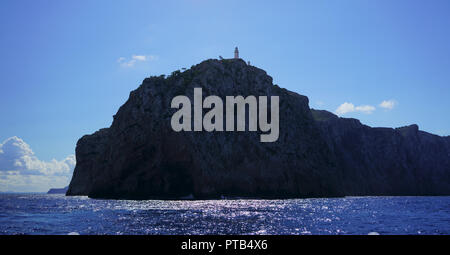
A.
pixel 58 190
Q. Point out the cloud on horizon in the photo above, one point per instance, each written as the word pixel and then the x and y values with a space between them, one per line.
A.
pixel 22 171
pixel 124 62
pixel 349 107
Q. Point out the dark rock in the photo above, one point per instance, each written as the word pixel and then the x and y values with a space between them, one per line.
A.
pixel 386 161
pixel 317 153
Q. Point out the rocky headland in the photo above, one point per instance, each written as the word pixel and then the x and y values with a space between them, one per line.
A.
pixel 317 153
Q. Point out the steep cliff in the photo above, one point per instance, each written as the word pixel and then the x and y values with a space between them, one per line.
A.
pixel 386 161
pixel 317 154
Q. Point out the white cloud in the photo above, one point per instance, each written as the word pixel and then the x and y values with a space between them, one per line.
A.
pixel 349 107
pixel 345 108
pixel 388 104
pixel 139 58
pixel 21 170
pixel 124 62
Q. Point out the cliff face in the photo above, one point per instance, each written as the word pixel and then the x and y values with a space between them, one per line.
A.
pixel 386 161
pixel 317 154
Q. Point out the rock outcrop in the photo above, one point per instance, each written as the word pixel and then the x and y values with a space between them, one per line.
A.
pixel 386 161
pixel 317 153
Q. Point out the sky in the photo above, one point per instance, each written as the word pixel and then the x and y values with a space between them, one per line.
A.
pixel 67 66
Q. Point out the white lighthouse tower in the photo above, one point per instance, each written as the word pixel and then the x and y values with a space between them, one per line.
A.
pixel 236 53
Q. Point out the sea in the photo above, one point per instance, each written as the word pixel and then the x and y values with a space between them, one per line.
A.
pixel 42 214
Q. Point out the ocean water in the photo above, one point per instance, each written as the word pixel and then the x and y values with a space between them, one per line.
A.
pixel 57 214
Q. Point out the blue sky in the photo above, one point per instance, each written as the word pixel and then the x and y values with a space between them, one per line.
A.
pixel 65 65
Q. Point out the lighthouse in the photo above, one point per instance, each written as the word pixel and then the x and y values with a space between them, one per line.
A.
pixel 236 53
